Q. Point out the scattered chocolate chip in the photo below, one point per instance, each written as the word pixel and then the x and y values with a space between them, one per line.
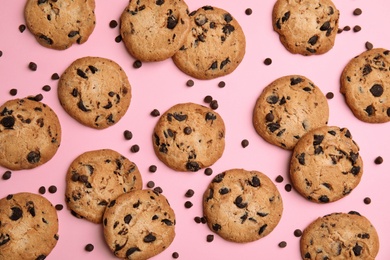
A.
pixel 214 104
pixel 128 134
pixel 155 113
pixel 190 83
pixel 89 248
pixel 297 232
pixel 367 200
pixel 137 64
pixel 378 160
pixel 189 193
pixel 207 99
pixel 357 28
pixel 188 204
pixel 282 244
pixel 346 28
pixel 38 97
pixel 158 190
pixel 329 95
pixel 52 189
pixel 150 184
pixel 279 179
pixel 208 171
pixel 152 168
pixel 268 61
pixel 32 66
pixel 7 175
pixel 13 92
pixel 55 76
pixel 288 187
pixel 134 148
pixel 118 39
pixel 369 46
pixel 59 207
pixel 175 255
pixel 198 220
pixel 210 238
pixel 22 27
pixel 203 220
pixel 1 53
pixel 244 143
pixel 221 84
pixel 113 24
pixel 46 88
pixel 42 190
pixel 339 30
pixel 248 11
pixel 357 11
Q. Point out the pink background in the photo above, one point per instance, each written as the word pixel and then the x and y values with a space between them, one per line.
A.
pixel 161 85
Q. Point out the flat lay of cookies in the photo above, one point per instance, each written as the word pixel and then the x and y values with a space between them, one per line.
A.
pixel 182 129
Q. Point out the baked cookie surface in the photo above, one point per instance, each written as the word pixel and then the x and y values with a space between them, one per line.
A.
pixel 242 206
pixel 326 165
pixel 28 227
pixel 189 137
pixel 95 178
pixel 139 224
pixel 30 134
pixel 154 30
pixel 340 236
pixel 214 47
pixel 59 24
pixel 365 84
pixel 95 91
pixel 288 108
pixel 306 27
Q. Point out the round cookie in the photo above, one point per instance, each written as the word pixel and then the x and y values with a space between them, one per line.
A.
pixel 364 83
pixel 340 236
pixel 325 165
pixel 95 178
pixel 139 225
pixel 214 48
pixel 28 227
pixel 59 24
pixel 154 30
pixel 30 134
pixel 288 108
pixel 242 206
pixel 95 91
pixel 307 27
pixel 189 137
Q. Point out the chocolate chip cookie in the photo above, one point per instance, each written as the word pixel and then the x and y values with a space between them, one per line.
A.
pixel 154 30
pixel 189 137
pixel 364 83
pixel 306 27
pixel 95 178
pixel 30 134
pixel 214 47
pixel 28 226
pixel 288 108
pixel 340 236
pixel 139 225
pixel 59 24
pixel 242 206
pixel 95 91
pixel 326 165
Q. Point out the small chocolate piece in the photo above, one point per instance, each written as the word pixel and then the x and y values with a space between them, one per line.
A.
pixel 137 64
pixel 244 143
pixel 113 24
pixel 22 28
pixel 42 190
pixel 378 160
pixel 55 76
pixel 128 135
pixel 7 175
pixel 155 113
pixel 329 95
pixel 188 204
pixel 189 193
pixel 347 28
pixel 279 179
pixel 268 61
pixel 175 255
pixel 46 88
pixel 13 92
pixel 367 200
pixel 59 207
pixel 89 248
pixel 369 46
pixel 134 148
pixel 150 184
pixel 282 244
pixel 357 28
pixel 357 11
pixel 152 168
pixel 118 39
pixel 190 83
pixel 288 187
pixel 210 238
pixel 52 189
pixel 248 11
pixel 158 190
pixel 32 66
pixel 221 84
pixel 214 104
pixel 297 232
pixel 207 99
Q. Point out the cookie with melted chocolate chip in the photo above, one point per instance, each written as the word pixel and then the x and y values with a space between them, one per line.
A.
pixel 154 30
pixel 326 165
pixel 288 108
pixel 139 224
pixel 95 91
pixel 189 137
pixel 214 48
pixel 307 27
pixel 242 206
pixel 30 134
pixel 28 226
pixel 340 236
pixel 59 24
pixel 95 178
pixel 364 83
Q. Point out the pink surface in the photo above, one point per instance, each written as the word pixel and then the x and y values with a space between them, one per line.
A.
pixel 161 85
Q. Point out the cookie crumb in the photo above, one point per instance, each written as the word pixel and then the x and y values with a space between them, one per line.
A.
pixel 268 61
pixel 369 46
pixel 244 143
pixel 46 88
pixel 357 11
pixel 134 148
pixel 42 190
pixel 22 28
pixel 137 64
pixel 32 66
pixel 89 248
pixel 357 28
pixel 52 189
pixel 188 204
pixel 128 134
pixel 175 255
pixel 152 168
pixel 329 95
pixel 113 24
pixel 155 113
pixel 7 175
pixel 13 92
pixel 221 84
pixel 210 238
pixel 189 193
pixel 55 76
pixel 378 160
pixel 367 200
pixel 208 171
pixel 282 244
pixel 279 179
pixel 297 233
pixel 190 83
pixel 248 11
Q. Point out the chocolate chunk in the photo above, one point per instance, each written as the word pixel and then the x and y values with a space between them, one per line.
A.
pixel 378 160
pixel 357 28
pixel 323 198
pixel 149 238
pixel 262 228
pixel 189 193
pixel 160 2
pixel 131 251
pixel 294 81
pixel 13 92
pixel 301 158
pixel 192 166
pixel 190 83
pixel 207 7
pixel 219 177
pixel 268 61
pixel 248 11
pixel 286 16
pixel 171 22
pixel 52 189
pixel 367 200
pixel 187 130
pixel 224 63
pixel 311 50
pixel 4 239
pixel 210 238
pixel 357 11
pixel 31 208
pixel 297 233
pixel 255 182
pixel 73 34
pixel 214 104
pixel 188 204
pixel 41 257
pixel 81 74
pixel 155 113
pixel 355 170
pixel 269 117
pixel 221 84
pixel 272 99
pixel 238 202
pixel 273 127
pixel 282 244
pixel 367 69
pixel 318 139
pixel 82 107
pixel 228 28
pixel 313 40
pixel 357 250
pixel 33 157
pixel 201 20
pixel 210 116
pixel 127 218
pixel 46 39
pixel 369 45
pixel 307 255
pixel 128 135
pixel 224 191
pixel 325 26
pixel 167 222
pixel 376 90
pixel 134 148
pixel 179 117
pixel 92 69
pixel 17 213
pixel 214 65
pixel 113 24
pixel 8 121
pixel 211 194
pixel 7 175
pixel 370 110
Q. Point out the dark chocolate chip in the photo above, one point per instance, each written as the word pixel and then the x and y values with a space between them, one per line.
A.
pixel 218 178
pixel 378 160
pixel 307 256
pixel 357 250
pixel 313 40
pixel 46 39
pixel 187 130
pixel 208 171
pixel 238 202
pixel 192 166
pixel 279 179
pixel 248 11
pixel 175 255
pixel 210 116
pixel 32 66
pixel 214 104
pixel 13 92
pixel 273 127
pixel 159 2
pixel 89 248
pixel 7 175
pixel 188 204
pixel 329 95
pixel 357 11
pixel 52 189
pixel 367 69
pixel 208 99
pixel 294 81
pixel 370 110
pixel 272 99
pixel 355 170
pixel 128 135
pixel 46 88
pixel 189 193
pixel 33 157
pixel 244 143
pixel 269 117
pixel 155 113
pixel 282 244
pixel 297 232
pixel 318 139
pixel 190 83
pixel 323 199
pixel 262 229
pixel 4 239
pixel 288 187
pixel 367 200
pixel 255 182
pixel 55 76
pixel 8 121
pixel 113 24
pixel 150 184
pixel 152 168
pixel 41 257
pixel 369 45
pixel 137 64
pixel 210 238
pixel 59 207
pixel 376 90
pixel 357 28
pixel 42 190
pixel 17 213
pixel 149 238
pixel 224 191
pixel 268 61
pixel 81 74
pixel 221 84
pixel 131 251
pixel 72 34
pixel 171 22
pixel 118 39
pixel 325 26
pixel 167 222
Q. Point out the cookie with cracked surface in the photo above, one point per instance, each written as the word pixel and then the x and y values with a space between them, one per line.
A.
pixel 139 224
pixel 95 91
pixel 306 27
pixel 60 24
pixel 364 84
pixel 154 30
pixel 189 137
pixel 242 206
pixel 288 108
pixel 30 134
pixel 95 178
pixel 214 47
pixel 340 236
pixel 326 165
pixel 28 226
